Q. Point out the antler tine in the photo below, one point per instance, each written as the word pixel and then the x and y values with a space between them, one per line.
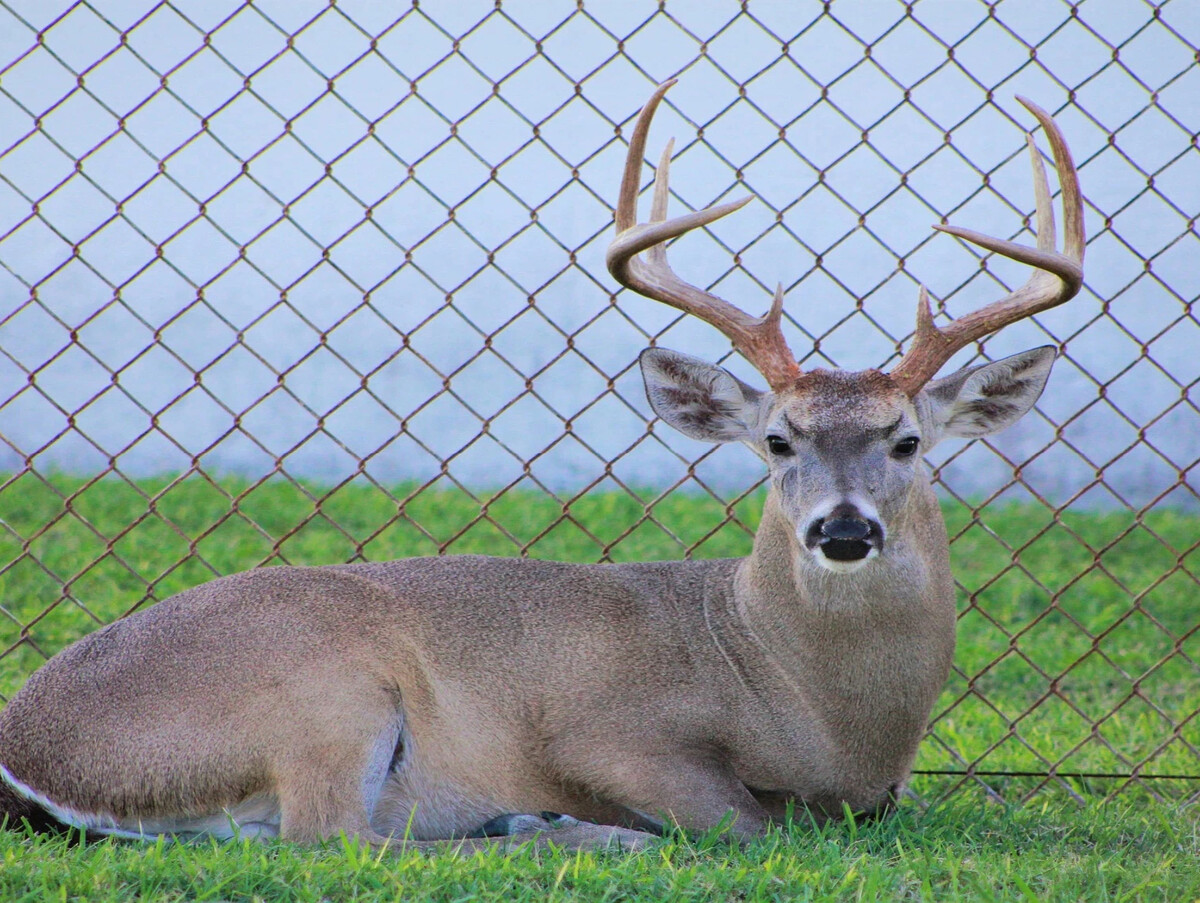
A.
pixel 1058 276
pixel 758 339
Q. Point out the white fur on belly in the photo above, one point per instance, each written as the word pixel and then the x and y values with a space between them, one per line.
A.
pixel 255 816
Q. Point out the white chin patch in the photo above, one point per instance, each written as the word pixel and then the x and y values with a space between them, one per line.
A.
pixel 843 567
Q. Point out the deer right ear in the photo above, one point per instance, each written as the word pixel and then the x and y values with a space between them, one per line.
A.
pixel 699 399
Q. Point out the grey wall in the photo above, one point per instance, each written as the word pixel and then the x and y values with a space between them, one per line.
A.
pixel 215 249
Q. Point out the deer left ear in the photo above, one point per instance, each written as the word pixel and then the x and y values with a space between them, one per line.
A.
pixel 977 401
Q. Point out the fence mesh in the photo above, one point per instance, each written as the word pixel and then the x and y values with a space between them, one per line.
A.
pixel 355 251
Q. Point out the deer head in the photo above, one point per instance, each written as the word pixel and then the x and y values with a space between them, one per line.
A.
pixel 843 448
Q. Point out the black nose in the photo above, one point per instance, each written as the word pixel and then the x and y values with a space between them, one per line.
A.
pixel 844 536
pixel 846 528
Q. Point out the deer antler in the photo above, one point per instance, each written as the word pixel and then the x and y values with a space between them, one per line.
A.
pixel 758 339
pixel 1058 277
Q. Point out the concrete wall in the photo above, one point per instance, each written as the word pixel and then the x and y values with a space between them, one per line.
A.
pixel 182 297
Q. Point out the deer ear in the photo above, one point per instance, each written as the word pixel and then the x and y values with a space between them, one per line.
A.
pixel 699 399
pixel 977 401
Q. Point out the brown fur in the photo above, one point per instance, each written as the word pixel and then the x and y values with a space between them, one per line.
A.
pixel 619 693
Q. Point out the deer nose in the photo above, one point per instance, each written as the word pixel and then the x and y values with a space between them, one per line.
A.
pixel 846 528
pixel 846 534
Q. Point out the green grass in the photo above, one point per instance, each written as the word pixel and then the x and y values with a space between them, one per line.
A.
pixel 1079 651
pixel 956 852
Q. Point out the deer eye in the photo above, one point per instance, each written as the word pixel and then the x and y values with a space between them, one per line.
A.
pixel 778 445
pixel 905 447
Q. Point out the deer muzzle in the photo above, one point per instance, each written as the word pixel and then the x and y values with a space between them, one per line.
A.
pixel 844 536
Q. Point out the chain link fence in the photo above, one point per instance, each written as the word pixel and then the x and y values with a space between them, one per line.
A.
pixel 355 250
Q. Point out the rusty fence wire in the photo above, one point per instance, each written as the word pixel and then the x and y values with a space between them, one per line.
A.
pixel 355 250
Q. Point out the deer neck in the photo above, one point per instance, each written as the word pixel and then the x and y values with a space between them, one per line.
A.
pixel 851 663
pixel 895 613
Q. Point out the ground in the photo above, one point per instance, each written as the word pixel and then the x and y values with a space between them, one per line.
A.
pixel 1078 645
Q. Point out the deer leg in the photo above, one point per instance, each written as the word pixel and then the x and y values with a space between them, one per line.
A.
pixel 560 830
pixel 509 832
pixel 522 823
pixel 779 804
pixel 329 790
pixel 323 800
pixel 334 810
pixel 696 793
pixel 330 776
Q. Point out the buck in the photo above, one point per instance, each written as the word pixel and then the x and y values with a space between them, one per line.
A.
pixel 421 700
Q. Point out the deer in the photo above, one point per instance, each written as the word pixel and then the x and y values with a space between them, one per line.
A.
pixel 468 703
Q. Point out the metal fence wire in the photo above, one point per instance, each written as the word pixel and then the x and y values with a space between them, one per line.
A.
pixel 353 247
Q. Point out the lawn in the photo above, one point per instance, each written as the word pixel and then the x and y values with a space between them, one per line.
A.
pixel 1078 651
pixel 960 851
